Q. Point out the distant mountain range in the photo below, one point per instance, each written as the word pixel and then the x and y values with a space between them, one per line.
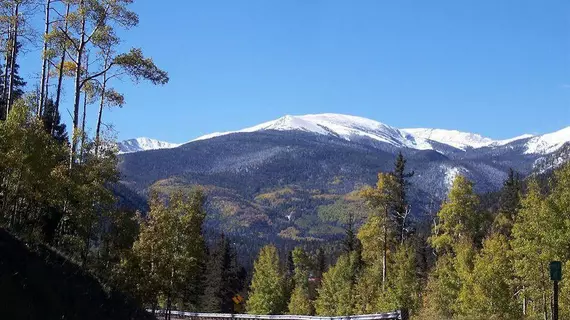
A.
pixel 350 127
pixel 294 176
pixel 143 144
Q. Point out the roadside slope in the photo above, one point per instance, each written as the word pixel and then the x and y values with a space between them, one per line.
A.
pixel 42 284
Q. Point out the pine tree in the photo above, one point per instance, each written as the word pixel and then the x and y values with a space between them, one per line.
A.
pixel 52 122
pixel 18 85
pixel 267 291
pixel 223 278
pixel 350 241
pixel 509 203
pixel 320 263
pixel 290 264
pixel 400 206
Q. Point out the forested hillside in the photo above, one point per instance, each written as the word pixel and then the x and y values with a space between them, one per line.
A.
pixel 291 184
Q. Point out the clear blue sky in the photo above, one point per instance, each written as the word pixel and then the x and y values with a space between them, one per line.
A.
pixel 496 67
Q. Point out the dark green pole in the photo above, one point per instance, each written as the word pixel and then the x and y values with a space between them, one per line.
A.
pixel 555 304
pixel 555 276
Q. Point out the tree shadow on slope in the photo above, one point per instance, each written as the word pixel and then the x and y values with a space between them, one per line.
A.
pixel 41 284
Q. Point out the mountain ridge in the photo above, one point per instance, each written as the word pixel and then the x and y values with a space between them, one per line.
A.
pixel 350 127
pixel 143 144
pixel 296 173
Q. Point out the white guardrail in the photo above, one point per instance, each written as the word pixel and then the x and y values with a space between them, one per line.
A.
pixel 396 315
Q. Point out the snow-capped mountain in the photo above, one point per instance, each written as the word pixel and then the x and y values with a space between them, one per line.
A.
pixel 314 160
pixel 460 140
pixel 343 126
pixel 351 127
pixel 143 144
pixel 548 143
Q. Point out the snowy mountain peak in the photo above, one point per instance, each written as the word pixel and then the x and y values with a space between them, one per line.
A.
pixel 454 138
pixel 549 142
pixel 143 144
pixel 343 126
pixel 461 140
pixel 352 127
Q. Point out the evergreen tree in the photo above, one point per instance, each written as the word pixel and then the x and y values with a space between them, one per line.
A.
pixel 320 263
pixel 223 278
pixel 350 241
pixel 400 204
pixel 18 87
pixel 52 122
pixel 509 203
pixel 290 264
pixel 267 291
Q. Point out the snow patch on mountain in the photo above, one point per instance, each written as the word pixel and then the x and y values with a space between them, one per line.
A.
pixel 548 143
pixel 143 144
pixel 450 173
